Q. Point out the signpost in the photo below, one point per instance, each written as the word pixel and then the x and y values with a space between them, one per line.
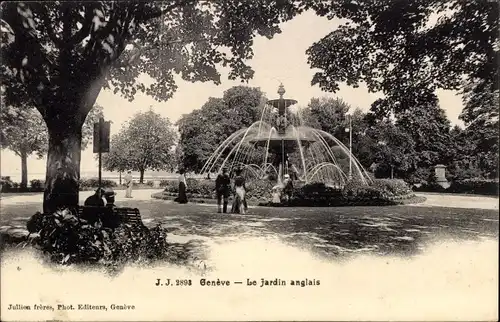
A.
pixel 101 142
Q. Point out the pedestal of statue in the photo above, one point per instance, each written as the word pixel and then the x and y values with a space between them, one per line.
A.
pixel 440 171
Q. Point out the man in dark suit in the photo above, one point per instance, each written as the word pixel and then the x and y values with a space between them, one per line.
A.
pixel 95 200
pixel 222 189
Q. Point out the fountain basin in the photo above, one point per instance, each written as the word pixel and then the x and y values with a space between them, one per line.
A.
pixel 288 143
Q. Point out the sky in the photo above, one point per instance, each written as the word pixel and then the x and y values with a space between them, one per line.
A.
pixel 281 59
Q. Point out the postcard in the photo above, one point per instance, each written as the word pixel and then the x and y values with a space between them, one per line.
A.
pixel 249 160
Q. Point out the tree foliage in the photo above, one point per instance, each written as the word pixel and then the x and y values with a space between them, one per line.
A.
pixel 480 116
pixel 203 130
pixel 25 133
pixel 23 129
pixel 327 114
pixel 429 129
pixel 146 143
pixel 111 43
pixel 391 147
pixel 57 56
pixel 407 50
pixel 392 46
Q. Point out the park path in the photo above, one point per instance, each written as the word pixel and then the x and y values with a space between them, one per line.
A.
pixel 458 201
pixel 432 199
pixel 383 263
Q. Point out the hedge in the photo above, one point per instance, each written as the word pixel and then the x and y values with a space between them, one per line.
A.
pixel 380 192
pixel 475 186
pixel 85 184
pixel 467 186
pixel 205 189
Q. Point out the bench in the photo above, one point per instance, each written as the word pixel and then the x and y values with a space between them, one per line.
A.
pixel 111 217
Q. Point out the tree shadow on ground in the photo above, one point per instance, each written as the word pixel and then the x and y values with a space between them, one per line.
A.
pixel 347 231
pixel 332 232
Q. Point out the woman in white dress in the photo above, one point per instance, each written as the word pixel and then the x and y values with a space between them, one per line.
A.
pixel 239 203
pixel 129 183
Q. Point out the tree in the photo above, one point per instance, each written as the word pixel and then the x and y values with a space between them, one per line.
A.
pixel 464 163
pixel 25 133
pixel 362 142
pixel 400 49
pixel 59 55
pixel 429 129
pixel 480 116
pixel 203 130
pixel 146 143
pixel 392 46
pixel 393 149
pixel 327 114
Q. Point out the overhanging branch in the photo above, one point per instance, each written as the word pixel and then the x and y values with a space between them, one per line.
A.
pixel 48 25
pixel 86 26
pixel 161 12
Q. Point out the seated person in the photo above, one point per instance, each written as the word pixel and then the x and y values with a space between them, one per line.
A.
pixel 109 195
pixel 95 200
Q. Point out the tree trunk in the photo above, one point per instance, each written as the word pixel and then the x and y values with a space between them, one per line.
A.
pixel 63 167
pixel 24 170
pixel 141 178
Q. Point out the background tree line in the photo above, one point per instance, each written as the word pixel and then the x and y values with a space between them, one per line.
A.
pixel 407 145
pixel 57 56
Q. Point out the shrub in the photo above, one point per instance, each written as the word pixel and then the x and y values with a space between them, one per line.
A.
pixel 200 187
pixel 475 186
pixel 419 176
pixel 170 185
pixel 149 183
pixel 259 189
pixel 316 194
pixel 37 184
pixel 94 183
pixel 204 188
pixel 392 187
pixel 6 184
pixel 380 192
pixel 67 239
pixel 363 193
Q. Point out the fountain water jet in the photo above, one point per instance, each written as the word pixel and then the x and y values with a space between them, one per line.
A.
pixel 319 153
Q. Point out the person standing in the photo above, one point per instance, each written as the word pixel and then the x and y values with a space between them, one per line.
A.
pixel 288 188
pixel 222 189
pixel 182 197
pixel 239 203
pixel 128 183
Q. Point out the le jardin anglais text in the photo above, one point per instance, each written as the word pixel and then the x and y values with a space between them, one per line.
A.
pixel 262 282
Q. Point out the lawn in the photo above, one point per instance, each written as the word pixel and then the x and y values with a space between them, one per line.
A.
pixel 330 232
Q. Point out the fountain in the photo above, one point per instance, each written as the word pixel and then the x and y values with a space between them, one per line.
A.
pixel 275 146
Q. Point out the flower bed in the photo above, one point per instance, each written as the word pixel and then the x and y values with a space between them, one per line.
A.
pixel 258 191
pixel 380 192
pixel 67 239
